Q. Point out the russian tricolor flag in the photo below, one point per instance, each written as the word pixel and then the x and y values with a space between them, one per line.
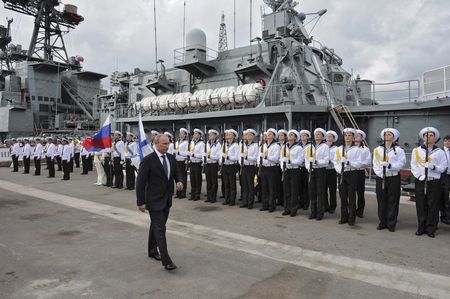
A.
pixel 101 139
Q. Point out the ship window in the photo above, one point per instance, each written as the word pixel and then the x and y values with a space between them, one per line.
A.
pixel 44 108
pixel 338 78
pixel 39 98
pixel 45 99
pixel 33 98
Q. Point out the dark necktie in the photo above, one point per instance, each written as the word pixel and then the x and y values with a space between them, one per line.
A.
pixel 166 169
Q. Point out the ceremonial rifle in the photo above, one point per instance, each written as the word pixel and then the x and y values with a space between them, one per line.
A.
pixel 310 163
pixel 426 168
pixel 284 162
pixel 223 153
pixel 206 152
pixel 188 158
pixel 261 152
pixel 342 164
pixel 384 160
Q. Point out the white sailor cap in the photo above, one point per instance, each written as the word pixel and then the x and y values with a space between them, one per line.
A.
pixel 335 135
pixel 273 131
pixel 154 132
pixel 184 130
pixel 305 132
pixel 250 131
pixel 13 139
pixel 196 130
pixel 49 138
pixel 118 133
pixel 349 130
pixel 131 134
pixel 212 131
pixel 26 139
pixel 64 139
pixel 282 131
pixel 320 130
pixel 429 129
pixel 234 132
pixel 297 134
pixel 168 134
pixel 394 132
pixel 361 132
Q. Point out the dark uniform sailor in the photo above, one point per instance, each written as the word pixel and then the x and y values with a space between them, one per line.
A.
pixel 282 140
pixel 37 155
pixel 291 161
pixel 130 152
pixel 365 159
pixel 65 158
pixel 428 162
pixel 118 159
pixel 50 157
pixel 270 170
pixel 445 180
pixel 26 155
pixel 249 169
pixel 305 137
pixel 212 157
pixel 388 160
pixel 196 154
pixel 317 157
pixel 15 154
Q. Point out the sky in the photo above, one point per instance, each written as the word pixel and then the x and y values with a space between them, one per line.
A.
pixel 382 40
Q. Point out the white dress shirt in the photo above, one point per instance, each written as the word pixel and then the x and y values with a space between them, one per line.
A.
pixel 67 152
pixel 271 154
pixel 26 150
pixel 351 154
pixel 394 155
pixel 197 150
pixel 436 157
pixel 213 152
pixel 181 150
pixel 251 152
pixel 51 151
pixel 232 153
pixel 161 159
pixel 333 148
pixel 320 154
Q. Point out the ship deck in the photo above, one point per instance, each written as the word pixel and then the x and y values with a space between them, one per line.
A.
pixel 73 239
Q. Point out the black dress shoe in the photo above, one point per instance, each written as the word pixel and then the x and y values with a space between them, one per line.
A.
pixel 170 267
pixel 155 256
pixel 263 209
pixel 212 201
pixel 197 199
pixel 225 203
pixel 381 226
pixel 419 233
pixel 232 204
pixel 207 200
pixel 351 223
pixel 320 217
pixel 271 210
pixel 431 235
pixel 342 221
pixel 312 216
pixel 360 215
pixel 285 213
pixel 391 229
pixel 243 206
pixel 293 214
pixel 250 207
pixel 181 197
pixel 331 211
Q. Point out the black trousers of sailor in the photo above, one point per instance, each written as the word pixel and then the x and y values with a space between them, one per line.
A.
pixel 280 193
pixel 131 176
pixel 347 193
pixel 317 189
pixel 50 167
pixel 427 205
pixel 71 164
pixel 26 165
pixel 303 191
pixel 248 185
pixel 196 180
pixel 268 189
pixel 330 193
pixel 108 171
pixel 90 163
pixel 59 162
pixel 229 178
pixel 360 189
pixel 15 159
pixel 37 166
pixel 118 174
pixel 445 204
pixel 181 168
pixel 85 165
pixel 388 200
pixel 66 170
pixel 76 157
pixel 291 191
pixel 212 183
pixel 157 235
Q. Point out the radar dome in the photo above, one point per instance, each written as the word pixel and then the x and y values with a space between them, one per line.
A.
pixel 196 39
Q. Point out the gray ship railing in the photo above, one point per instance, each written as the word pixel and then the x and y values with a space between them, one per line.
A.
pixel 179 55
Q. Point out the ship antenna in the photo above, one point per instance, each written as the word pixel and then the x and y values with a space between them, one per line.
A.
pixel 251 24
pixel 156 38
pixel 184 25
pixel 234 25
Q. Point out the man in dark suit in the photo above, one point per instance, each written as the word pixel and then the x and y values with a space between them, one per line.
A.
pixel 154 190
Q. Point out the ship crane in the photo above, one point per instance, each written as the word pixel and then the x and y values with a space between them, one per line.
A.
pixel 50 24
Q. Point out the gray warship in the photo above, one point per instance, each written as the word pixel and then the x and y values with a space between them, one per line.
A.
pixel 43 90
pixel 283 79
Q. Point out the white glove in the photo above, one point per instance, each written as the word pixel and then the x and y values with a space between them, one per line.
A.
pixel 422 178
pixel 343 160
pixel 284 160
pixel 384 164
pixel 225 156
pixel 311 160
pixel 428 165
pixel 204 155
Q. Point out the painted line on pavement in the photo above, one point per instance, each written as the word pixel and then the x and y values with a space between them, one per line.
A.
pixel 400 278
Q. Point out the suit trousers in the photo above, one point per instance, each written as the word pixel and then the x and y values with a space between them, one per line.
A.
pixel 181 168
pixel 71 165
pixel 427 205
pixel 330 202
pixel 388 200
pixel 347 193
pixel 26 165
pixel 76 158
pixel 211 181
pixel 108 171
pixel 196 179
pixel 51 167
pixel 291 190
pixel 131 176
pixel 157 235
pixel 59 161
pixel 66 169
pixel 248 185
pixel 268 189
pixel 360 189
pixel 303 192
pixel 15 159
pixel 118 174
pixel 37 166
pixel 317 189
pixel 84 163
pixel 229 174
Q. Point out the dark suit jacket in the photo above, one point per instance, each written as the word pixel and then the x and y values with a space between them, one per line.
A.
pixel 152 186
